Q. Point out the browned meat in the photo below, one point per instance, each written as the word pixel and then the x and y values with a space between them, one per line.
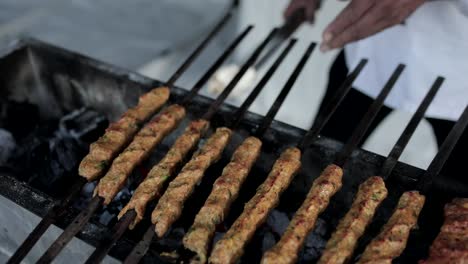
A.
pixel 231 246
pixel 451 245
pixel 152 186
pixel 323 188
pixel 120 133
pixel 143 143
pixel 225 191
pixel 169 207
pixel 393 237
pixel 342 243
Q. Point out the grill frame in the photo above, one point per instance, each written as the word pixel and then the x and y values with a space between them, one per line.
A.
pixel 14 61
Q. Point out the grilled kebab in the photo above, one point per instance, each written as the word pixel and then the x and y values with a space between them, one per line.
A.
pixel 451 245
pixel 225 190
pixel 170 206
pixel 393 237
pixel 323 188
pixel 231 246
pixel 119 133
pixel 342 243
pixel 152 186
pixel 143 143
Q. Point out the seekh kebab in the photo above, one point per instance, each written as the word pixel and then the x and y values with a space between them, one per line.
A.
pixel 153 184
pixel 231 246
pixel 393 237
pixel 451 244
pixel 225 190
pixel 342 243
pixel 120 133
pixel 324 187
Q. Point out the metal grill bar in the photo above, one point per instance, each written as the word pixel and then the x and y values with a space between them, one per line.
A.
pixel 199 84
pixel 54 213
pixel 330 108
pixel 366 121
pixel 258 88
pixel 139 251
pixel 425 182
pixel 250 61
pixel 71 230
pixel 101 251
pixel 199 49
pixel 400 145
pixel 284 92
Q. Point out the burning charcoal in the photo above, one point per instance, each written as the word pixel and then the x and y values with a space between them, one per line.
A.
pixel 7 145
pixel 19 118
pixel 83 124
pixel 112 210
pixel 106 217
pixel 173 239
pixel 315 242
pixel 268 241
pixel 278 221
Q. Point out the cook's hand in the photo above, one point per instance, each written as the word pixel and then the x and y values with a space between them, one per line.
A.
pixel 363 18
pixel 309 6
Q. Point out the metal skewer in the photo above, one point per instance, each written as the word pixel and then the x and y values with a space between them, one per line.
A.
pixel 410 128
pixel 426 182
pixel 142 247
pixel 366 121
pixel 329 109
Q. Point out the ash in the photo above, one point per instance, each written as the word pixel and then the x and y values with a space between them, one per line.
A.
pixel 46 152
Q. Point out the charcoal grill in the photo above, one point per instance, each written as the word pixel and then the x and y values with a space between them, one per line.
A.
pixel 59 81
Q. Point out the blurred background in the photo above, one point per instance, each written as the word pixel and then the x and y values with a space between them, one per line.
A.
pixel 153 37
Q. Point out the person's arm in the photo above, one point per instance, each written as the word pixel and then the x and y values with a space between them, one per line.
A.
pixel 359 19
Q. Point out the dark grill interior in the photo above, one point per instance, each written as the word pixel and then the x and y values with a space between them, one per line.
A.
pixel 55 92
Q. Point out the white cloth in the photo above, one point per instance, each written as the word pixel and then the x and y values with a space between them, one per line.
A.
pixel 433 42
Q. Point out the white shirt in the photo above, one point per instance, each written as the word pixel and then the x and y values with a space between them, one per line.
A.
pixel 433 42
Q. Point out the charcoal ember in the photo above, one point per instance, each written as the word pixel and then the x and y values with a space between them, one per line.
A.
pixel 84 124
pixel 315 242
pixel 20 118
pixel 278 221
pixel 108 215
pixel 7 145
pixel 173 239
pixel 268 241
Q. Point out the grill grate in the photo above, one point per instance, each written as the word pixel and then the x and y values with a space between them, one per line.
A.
pixel 87 78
